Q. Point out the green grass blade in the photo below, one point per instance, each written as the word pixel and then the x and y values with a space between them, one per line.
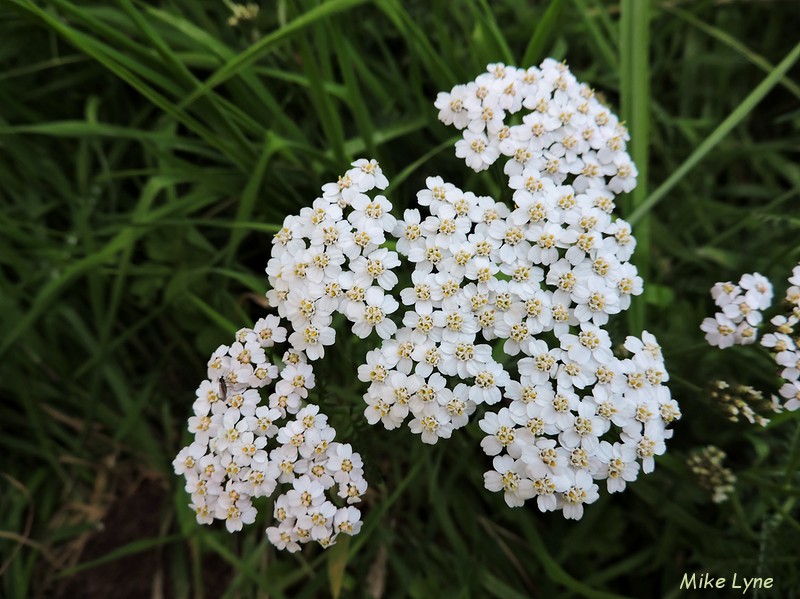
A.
pixel 251 193
pixel 735 45
pixel 545 29
pixel 635 94
pixel 120 552
pixel 734 118
pixel 554 570
pixel 100 53
pixel 241 61
pixel 601 40
pixel 487 17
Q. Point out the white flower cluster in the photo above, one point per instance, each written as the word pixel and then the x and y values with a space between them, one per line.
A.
pixel 567 133
pixel 329 259
pixel 230 461
pixel 740 315
pixel 793 292
pixel 784 345
pixel 505 308
pixel 543 278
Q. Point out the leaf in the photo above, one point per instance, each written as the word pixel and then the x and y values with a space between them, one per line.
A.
pixel 337 564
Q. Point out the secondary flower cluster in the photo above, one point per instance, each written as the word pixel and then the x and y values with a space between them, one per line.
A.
pixel 567 134
pixel 738 324
pixel 783 344
pixel 543 278
pixel 740 315
pixel 329 259
pixel 230 461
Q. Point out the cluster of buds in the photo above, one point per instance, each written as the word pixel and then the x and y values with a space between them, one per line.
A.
pixel 742 401
pixel 242 13
pixel 230 461
pixel 712 476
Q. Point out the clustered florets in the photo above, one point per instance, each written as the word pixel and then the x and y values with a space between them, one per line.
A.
pixel 738 323
pixel 741 306
pixel 567 134
pixel 230 461
pixel 329 259
pixel 505 308
pixel 542 278
pixel 783 344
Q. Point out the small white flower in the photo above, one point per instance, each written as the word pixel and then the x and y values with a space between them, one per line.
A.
pixel 369 175
pixel 501 433
pixel 284 537
pixel 510 477
pixel 724 293
pixel 477 150
pixel 488 379
pixel 344 463
pixel 408 232
pixel 432 426
pixel 188 458
pixel 375 369
pixel 457 108
pixel 269 332
pixel 581 491
pixel 372 215
pixel 375 267
pixel 347 520
pixel 790 360
pixel 585 430
pixel 758 288
pixel 719 331
pixel 374 314
pixel 791 392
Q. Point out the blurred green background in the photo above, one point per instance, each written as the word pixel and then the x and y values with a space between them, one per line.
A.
pixel 149 149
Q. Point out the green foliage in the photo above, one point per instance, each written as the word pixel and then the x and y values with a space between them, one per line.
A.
pixel 148 150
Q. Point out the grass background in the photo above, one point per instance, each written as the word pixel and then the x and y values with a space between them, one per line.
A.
pixel 149 149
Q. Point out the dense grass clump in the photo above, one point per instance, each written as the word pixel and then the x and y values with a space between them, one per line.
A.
pixel 149 150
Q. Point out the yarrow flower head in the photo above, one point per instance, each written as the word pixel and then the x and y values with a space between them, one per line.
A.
pixel 329 259
pixel 533 280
